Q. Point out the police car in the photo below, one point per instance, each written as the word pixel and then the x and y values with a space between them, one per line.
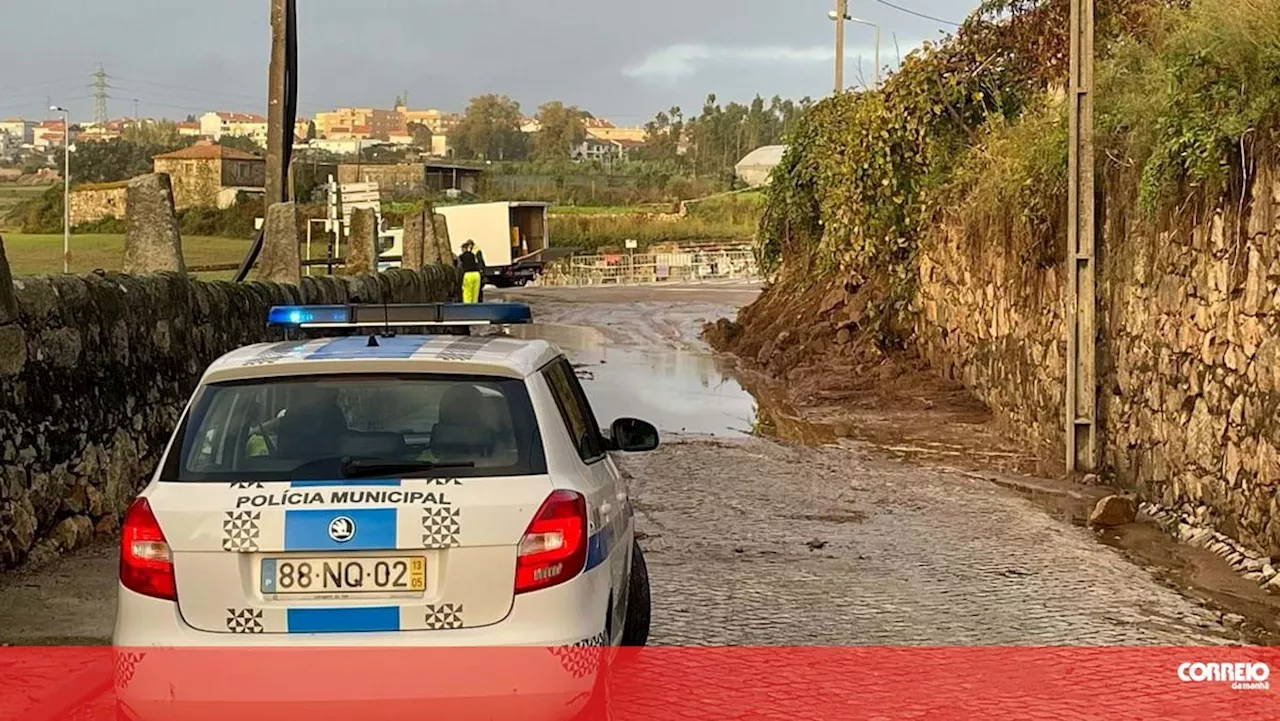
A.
pixel 385 491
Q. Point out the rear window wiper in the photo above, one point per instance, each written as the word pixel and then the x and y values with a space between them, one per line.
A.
pixel 371 468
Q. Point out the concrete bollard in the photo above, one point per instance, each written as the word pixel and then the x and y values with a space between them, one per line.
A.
pixel 361 242
pixel 444 249
pixel 152 241
pixel 281 260
pixel 415 236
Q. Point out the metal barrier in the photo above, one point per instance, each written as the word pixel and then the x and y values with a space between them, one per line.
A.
pixel 640 268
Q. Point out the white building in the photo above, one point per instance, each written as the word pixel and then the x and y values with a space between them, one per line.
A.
pixel 22 131
pixel 241 125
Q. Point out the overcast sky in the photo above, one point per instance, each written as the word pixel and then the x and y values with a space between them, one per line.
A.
pixel 620 60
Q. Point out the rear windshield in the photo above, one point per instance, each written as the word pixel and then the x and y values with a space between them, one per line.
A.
pixel 335 427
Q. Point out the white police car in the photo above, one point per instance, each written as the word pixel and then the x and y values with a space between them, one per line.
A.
pixel 384 491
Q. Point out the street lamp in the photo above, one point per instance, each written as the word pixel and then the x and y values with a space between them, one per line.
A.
pixel 66 186
pixel 839 15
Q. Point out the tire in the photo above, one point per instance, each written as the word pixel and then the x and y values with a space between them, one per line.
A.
pixel 635 631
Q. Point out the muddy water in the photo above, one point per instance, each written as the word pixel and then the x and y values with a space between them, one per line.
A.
pixel 683 388
pixel 677 390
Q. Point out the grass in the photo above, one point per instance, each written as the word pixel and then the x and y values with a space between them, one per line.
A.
pixel 11 195
pixel 643 209
pixel 42 254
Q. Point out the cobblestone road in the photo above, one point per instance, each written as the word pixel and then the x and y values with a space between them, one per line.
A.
pixel 755 542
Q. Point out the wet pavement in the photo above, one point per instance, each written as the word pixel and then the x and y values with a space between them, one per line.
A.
pixel 808 537
pixel 678 390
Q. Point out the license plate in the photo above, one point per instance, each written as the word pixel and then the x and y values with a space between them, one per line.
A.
pixel 406 574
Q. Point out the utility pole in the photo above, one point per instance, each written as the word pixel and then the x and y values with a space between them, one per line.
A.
pixel 275 105
pixel 841 12
pixel 1082 338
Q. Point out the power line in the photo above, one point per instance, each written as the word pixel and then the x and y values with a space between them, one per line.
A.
pixel 916 13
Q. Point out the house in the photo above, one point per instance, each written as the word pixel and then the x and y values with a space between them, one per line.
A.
pixel 189 129
pixel 210 175
pixel 21 131
pixel 413 177
pixel 593 148
pixel 49 134
pixel 214 125
pixel 609 132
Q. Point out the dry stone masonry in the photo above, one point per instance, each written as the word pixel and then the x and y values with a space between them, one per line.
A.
pixel 94 373
pixel 1189 354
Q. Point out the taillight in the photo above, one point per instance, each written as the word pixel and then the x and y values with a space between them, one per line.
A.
pixel 554 547
pixel 146 565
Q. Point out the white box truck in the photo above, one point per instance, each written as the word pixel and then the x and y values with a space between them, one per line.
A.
pixel 511 235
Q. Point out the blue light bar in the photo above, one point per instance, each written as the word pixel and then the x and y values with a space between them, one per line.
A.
pixel 303 315
pixel 400 315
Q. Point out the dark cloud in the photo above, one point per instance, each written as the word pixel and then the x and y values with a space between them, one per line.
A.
pixel 621 60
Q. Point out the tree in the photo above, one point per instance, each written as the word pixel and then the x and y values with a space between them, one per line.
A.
pixel 311 130
pixel 421 134
pixel 561 128
pixel 662 136
pixel 161 133
pixel 117 159
pixel 243 144
pixel 490 129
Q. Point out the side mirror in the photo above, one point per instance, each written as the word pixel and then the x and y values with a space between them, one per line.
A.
pixel 633 436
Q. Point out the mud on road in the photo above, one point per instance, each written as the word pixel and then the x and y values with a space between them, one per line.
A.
pixel 852 521
pixel 766 526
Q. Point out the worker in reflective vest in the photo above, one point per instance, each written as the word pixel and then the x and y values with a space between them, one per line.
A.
pixel 471 278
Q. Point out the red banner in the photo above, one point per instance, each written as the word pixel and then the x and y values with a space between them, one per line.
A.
pixel 653 684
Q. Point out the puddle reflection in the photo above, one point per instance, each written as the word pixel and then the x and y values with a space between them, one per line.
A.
pixel 678 391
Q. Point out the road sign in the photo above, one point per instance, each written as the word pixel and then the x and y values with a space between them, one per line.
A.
pixel 632 245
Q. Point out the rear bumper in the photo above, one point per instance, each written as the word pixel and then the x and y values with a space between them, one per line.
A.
pixel 539 663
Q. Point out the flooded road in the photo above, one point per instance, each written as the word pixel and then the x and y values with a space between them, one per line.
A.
pixel 678 390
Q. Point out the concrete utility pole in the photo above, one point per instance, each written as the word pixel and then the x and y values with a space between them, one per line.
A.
pixel 275 105
pixel 66 186
pixel 1082 338
pixel 839 15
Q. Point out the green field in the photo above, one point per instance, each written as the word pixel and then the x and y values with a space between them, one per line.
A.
pixel 42 254
pixel 11 195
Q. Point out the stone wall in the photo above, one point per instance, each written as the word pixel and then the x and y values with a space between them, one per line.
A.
pixel 94 373
pixel 97 203
pixel 196 182
pixel 1188 363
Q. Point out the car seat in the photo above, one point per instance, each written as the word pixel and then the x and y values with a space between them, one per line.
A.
pixel 464 431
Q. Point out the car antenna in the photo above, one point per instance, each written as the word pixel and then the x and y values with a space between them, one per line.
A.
pixel 386 319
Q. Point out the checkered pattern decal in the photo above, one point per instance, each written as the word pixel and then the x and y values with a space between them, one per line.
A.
pixel 581 659
pixel 465 348
pixel 240 531
pixel 440 527
pixel 443 617
pixel 126 664
pixel 250 486
pixel 244 620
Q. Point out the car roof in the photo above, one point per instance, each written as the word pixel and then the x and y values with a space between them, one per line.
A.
pixel 478 355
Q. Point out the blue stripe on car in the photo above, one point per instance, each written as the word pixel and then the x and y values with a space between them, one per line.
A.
pixel 598 546
pixel 344 620
pixel 375 530
pixel 388 482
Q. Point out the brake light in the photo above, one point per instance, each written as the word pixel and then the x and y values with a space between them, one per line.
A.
pixel 554 547
pixel 146 565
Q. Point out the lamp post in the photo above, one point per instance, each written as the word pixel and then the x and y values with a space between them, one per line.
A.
pixel 66 186
pixel 840 15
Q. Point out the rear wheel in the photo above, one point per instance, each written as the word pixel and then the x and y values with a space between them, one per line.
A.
pixel 635 631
